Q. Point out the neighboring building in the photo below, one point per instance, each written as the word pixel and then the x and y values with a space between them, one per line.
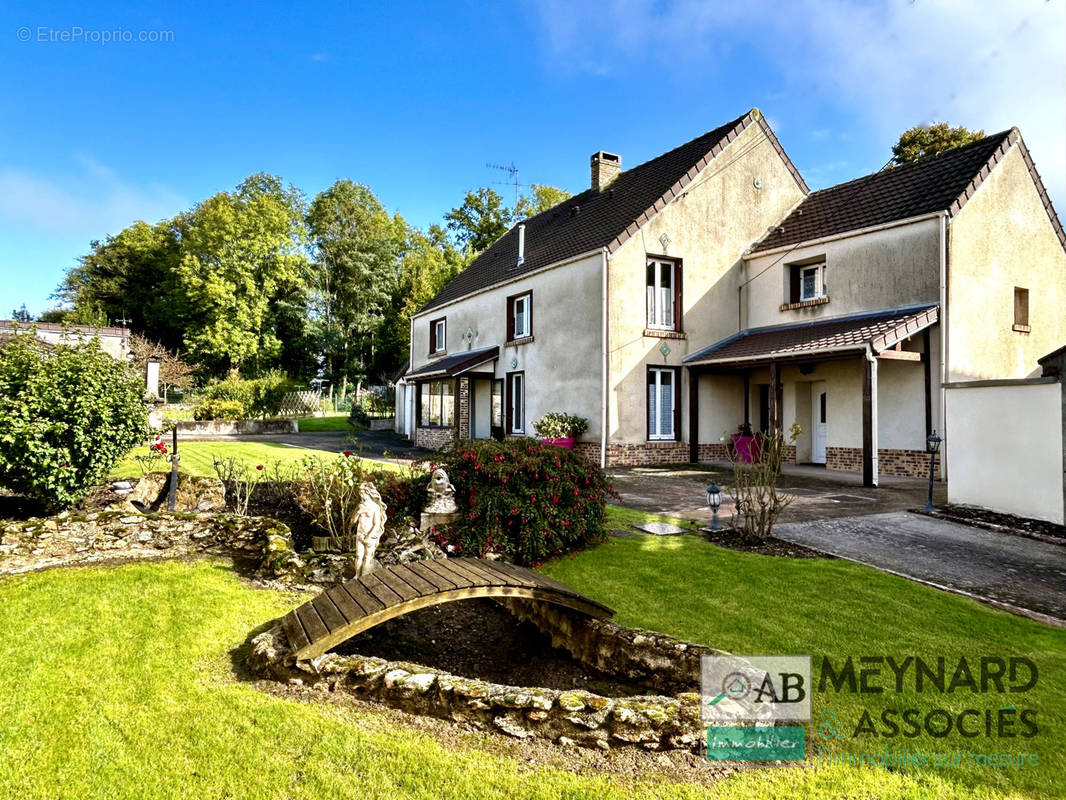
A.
pixel 642 305
pixel 114 341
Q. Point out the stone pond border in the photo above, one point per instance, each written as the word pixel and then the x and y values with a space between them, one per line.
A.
pixel 568 717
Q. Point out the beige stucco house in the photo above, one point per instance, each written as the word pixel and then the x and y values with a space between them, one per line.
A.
pixel 665 301
pixel 113 341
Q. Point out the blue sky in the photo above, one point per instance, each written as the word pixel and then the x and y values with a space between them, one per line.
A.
pixel 414 99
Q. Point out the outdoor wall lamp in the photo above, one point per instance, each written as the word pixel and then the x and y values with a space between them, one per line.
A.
pixel 932 447
pixel 714 500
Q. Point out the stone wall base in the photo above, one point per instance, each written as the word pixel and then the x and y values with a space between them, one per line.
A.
pixel 899 463
pixel 434 438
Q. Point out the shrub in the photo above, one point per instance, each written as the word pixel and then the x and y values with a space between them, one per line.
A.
pixel 219 409
pixel 358 417
pixel 69 413
pixel 524 499
pixel 260 397
pixel 557 425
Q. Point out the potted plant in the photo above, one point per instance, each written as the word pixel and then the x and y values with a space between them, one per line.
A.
pixel 745 444
pixel 560 429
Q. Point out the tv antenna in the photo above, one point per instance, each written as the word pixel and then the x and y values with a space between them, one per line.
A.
pixel 511 170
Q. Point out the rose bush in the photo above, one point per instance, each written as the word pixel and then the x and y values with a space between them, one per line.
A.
pixel 523 499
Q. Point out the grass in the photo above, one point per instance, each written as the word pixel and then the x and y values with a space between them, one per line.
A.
pixel 331 422
pixel 119 682
pixel 197 458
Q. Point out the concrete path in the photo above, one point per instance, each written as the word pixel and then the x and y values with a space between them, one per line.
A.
pixel 1011 570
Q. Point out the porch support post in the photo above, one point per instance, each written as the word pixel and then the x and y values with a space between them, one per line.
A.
pixel 927 367
pixel 775 410
pixel 747 399
pixel 693 415
pixel 869 421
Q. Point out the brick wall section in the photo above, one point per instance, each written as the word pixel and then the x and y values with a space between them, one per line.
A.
pixel 464 408
pixel 713 452
pixel 434 438
pixel 901 463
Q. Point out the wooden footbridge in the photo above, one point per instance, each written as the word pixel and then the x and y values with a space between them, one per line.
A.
pixel 361 603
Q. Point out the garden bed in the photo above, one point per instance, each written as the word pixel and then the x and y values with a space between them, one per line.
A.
pixel 771 546
pixel 996 521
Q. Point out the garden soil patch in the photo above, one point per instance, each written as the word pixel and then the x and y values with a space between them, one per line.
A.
pixel 480 639
pixel 770 547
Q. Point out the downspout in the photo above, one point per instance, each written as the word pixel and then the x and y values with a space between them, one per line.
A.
pixel 943 339
pixel 875 443
pixel 604 372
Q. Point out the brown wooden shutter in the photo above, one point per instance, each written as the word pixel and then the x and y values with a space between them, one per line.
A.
pixel 794 284
pixel 510 319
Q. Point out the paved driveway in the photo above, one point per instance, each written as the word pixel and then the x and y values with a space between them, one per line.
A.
pixel 1012 570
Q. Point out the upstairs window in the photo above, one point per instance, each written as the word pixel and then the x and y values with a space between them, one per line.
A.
pixel 1021 309
pixel 806 282
pixel 438 335
pixel 520 316
pixel 664 294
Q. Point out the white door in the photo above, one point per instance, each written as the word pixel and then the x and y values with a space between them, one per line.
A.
pixel 818 422
pixel 481 413
pixel 409 417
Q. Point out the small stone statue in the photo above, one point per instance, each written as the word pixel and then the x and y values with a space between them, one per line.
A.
pixel 441 494
pixel 369 525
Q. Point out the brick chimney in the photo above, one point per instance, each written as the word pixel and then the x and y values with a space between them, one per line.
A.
pixel 605 168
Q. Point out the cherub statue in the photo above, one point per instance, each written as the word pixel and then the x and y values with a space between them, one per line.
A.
pixel 369 525
pixel 441 494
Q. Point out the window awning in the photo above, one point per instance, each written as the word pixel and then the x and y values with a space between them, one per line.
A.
pixel 878 331
pixel 452 366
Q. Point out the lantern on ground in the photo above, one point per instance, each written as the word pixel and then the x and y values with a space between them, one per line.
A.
pixel 932 447
pixel 714 500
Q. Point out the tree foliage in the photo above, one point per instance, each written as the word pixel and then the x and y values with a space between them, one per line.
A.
pixel 20 314
pixel 355 276
pixel 240 253
pixel 480 220
pixel 68 413
pixel 173 371
pixel 928 140
pixel 539 199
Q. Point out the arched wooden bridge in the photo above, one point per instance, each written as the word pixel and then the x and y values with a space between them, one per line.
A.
pixel 361 603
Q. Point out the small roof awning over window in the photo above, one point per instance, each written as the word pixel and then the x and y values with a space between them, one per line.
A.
pixel 878 331
pixel 451 366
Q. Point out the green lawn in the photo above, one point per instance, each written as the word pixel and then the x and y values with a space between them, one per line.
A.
pixel 119 682
pixel 197 458
pixel 331 422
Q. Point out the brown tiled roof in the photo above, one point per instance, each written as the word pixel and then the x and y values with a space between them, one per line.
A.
pixel 942 182
pixel 455 365
pixel 878 330
pixel 595 219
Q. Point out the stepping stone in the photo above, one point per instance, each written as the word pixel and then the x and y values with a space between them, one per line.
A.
pixel 849 498
pixel 660 528
pixel 121 485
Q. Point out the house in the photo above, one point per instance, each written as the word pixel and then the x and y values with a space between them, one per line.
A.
pixel 672 302
pixel 113 341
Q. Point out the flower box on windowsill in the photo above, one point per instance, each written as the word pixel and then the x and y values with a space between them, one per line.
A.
pixel 747 447
pixel 566 442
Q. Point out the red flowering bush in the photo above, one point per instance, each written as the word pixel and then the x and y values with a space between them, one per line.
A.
pixel 524 499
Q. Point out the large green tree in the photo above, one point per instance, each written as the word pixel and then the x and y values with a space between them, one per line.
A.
pixel 129 276
pixel 540 198
pixel 480 220
pixel 928 140
pixel 241 253
pixel 354 277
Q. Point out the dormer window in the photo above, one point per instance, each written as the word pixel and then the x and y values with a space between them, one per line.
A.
pixel 438 335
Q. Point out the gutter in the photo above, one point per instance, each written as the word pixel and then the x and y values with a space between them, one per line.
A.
pixel 604 371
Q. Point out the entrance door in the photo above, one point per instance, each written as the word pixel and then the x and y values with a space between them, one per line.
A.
pixel 481 409
pixel 496 428
pixel 818 422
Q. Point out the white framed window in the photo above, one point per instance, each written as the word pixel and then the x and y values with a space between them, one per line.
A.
pixel 521 316
pixel 662 403
pixel 811 282
pixel 663 289
pixel 438 335
pixel 437 399
pixel 516 402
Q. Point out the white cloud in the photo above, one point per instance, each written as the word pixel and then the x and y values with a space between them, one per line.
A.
pixel 980 63
pixel 92 200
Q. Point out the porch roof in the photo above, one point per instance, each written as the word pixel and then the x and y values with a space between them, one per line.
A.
pixel 450 366
pixel 878 330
